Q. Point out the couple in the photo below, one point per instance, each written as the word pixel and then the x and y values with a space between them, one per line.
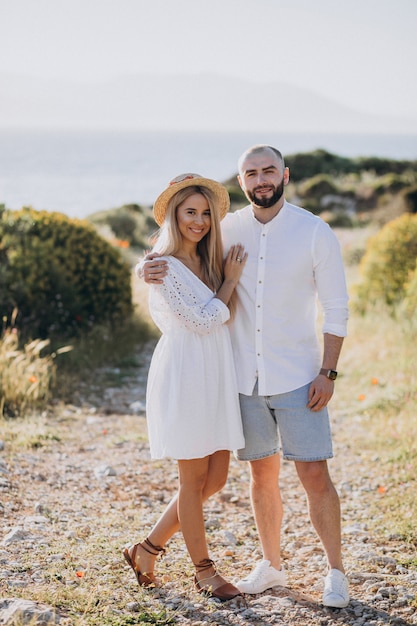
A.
pixel 280 258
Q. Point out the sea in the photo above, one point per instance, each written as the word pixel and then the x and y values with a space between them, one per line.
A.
pixel 79 173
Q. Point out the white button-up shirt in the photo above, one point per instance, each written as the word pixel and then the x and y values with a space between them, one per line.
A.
pixel 293 260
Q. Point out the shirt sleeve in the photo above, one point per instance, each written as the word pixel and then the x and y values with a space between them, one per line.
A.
pixel 139 268
pixel 330 280
pixel 196 314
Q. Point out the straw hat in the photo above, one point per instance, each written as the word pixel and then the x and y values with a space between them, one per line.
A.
pixel 220 194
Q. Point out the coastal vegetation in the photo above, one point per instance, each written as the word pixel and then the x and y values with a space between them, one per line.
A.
pixel 388 267
pixel 64 290
pixel 59 274
pixel 347 192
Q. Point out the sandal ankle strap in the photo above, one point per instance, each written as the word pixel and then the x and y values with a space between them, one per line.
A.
pixel 204 564
pixel 154 550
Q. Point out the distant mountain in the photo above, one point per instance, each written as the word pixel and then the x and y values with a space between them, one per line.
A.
pixel 184 102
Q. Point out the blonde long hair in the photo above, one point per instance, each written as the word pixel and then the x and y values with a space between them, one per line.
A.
pixel 210 248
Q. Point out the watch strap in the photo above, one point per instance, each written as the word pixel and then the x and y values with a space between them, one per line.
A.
pixel 332 374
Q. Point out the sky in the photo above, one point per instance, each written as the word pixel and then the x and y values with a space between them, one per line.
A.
pixel 360 53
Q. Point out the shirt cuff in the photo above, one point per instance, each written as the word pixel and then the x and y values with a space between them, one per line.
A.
pixel 338 330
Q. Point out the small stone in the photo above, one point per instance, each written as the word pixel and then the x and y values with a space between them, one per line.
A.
pixel 212 523
pixel 15 535
pixel 17 583
pixel 387 592
pixel 229 539
pixel 25 611
pixel 104 470
pixel 35 520
pixel 41 509
pixel 56 557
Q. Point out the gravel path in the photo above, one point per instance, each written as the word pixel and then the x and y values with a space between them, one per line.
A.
pixel 86 487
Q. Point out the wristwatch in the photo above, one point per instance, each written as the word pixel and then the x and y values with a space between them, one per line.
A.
pixel 332 374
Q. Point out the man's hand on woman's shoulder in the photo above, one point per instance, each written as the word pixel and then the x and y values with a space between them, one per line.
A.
pixel 152 269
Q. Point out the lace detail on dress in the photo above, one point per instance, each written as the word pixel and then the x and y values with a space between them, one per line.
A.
pixel 184 300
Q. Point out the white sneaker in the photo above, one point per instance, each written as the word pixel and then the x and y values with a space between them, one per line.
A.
pixel 263 577
pixel 336 591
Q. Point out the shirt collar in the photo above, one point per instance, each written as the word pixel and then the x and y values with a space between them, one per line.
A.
pixel 274 219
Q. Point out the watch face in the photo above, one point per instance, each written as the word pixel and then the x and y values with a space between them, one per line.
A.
pixel 332 374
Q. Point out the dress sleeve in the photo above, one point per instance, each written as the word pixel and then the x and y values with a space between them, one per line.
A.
pixel 200 314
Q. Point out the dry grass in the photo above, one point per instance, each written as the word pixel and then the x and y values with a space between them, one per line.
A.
pixel 25 376
pixel 376 395
pixel 378 390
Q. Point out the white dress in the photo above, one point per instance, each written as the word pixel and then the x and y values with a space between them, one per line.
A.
pixel 192 403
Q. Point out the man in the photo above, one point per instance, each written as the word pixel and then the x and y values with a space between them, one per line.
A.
pixel 285 380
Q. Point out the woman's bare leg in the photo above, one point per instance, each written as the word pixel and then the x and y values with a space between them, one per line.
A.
pixel 194 475
pixel 168 524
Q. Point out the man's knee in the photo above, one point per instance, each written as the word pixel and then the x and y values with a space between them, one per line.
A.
pixel 314 475
pixel 265 471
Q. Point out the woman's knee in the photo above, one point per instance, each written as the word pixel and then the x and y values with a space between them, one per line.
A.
pixel 216 484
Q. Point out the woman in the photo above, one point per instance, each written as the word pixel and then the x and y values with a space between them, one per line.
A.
pixel 192 401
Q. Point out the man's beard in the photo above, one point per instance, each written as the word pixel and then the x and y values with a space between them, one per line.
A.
pixel 266 203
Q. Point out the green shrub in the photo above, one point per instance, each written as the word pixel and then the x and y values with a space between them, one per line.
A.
pixel 122 224
pixel 130 224
pixel 410 299
pixel 318 186
pixel 237 197
pixel 312 205
pixel 382 166
pixel 338 219
pixel 307 164
pixel 59 274
pixel 390 183
pixel 410 198
pixel 389 258
pixel 313 190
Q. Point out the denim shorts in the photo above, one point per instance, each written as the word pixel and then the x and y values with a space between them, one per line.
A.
pixel 283 421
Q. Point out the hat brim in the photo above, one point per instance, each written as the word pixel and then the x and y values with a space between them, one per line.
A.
pixel 220 194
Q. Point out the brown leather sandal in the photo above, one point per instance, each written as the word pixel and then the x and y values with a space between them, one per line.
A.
pixel 145 579
pixel 223 592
